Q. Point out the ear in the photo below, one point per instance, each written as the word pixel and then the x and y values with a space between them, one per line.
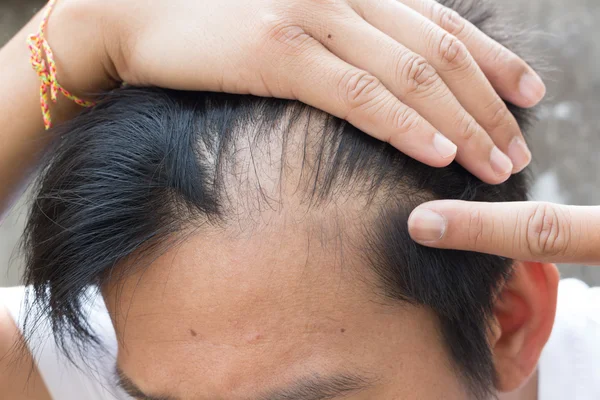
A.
pixel 524 315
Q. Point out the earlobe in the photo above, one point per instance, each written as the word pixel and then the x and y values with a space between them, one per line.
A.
pixel 524 315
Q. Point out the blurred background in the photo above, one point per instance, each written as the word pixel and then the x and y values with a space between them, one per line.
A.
pixel 566 142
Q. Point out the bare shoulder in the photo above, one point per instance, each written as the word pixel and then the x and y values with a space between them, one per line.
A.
pixel 19 378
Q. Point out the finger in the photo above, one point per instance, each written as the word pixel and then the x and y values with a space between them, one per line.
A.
pixel 526 231
pixel 359 97
pixel 458 69
pixel 417 84
pixel 512 77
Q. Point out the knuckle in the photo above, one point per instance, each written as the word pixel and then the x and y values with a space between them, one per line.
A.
pixel 359 88
pixel 416 75
pixel 453 53
pixel 499 116
pixel 282 31
pixel 476 229
pixel 448 19
pixel 497 55
pixel 546 233
pixel 405 120
pixel 468 129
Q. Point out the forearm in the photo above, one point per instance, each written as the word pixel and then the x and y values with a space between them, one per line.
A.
pixel 21 126
pixel 22 135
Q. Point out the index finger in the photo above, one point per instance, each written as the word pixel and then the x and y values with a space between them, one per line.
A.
pixel 527 231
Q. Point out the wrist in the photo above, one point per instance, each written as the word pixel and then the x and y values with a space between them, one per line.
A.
pixel 75 35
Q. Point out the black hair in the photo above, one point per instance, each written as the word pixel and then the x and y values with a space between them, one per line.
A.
pixel 145 165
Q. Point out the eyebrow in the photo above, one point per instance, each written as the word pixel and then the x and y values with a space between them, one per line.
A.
pixel 315 387
pixel 125 383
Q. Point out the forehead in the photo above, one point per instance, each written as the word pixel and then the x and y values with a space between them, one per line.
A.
pixel 236 313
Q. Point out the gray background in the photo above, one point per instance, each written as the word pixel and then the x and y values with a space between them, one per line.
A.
pixel 566 142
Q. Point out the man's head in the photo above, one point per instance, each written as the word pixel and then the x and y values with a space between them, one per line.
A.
pixel 257 248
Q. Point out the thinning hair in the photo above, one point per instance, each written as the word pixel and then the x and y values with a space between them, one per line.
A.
pixel 146 165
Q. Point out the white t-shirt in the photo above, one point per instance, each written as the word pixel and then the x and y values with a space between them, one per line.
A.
pixel 569 366
pixel 93 379
pixel 570 363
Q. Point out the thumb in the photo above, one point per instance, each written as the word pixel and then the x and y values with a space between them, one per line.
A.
pixel 527 231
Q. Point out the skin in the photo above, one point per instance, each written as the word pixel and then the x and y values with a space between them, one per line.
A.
pixel 524 231
pixel 293 316
pixel 528 392
pixel 189 329
pixel 22 381
pixel 298 49
pixel 286 49
pixel 239 315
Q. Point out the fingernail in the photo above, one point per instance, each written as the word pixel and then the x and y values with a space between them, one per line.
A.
pixel 519 154
pixel 501 164
pixel 426 225
pixel 532 88
pixel 444 146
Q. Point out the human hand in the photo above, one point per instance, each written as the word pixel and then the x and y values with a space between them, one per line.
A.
pixel 527 231
pixel 395 69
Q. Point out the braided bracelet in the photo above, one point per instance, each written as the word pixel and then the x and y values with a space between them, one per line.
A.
pixel 45 67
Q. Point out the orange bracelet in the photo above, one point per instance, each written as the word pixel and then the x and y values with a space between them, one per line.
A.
pixel 46 70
